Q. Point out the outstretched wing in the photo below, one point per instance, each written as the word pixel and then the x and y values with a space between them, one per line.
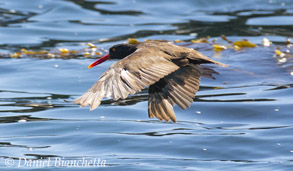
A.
pixel 128 76
pixel 178 88
pixel 179 52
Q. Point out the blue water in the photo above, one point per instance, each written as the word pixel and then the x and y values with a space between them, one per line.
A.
pixel 242 120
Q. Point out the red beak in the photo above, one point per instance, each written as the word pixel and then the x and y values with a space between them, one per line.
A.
pixel 101 60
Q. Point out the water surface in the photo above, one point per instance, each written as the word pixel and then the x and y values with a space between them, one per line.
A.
pixel 239 121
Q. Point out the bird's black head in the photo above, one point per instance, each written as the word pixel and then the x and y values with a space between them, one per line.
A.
pixel 120 51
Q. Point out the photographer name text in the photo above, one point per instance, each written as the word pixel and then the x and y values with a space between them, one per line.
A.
pixel 54 162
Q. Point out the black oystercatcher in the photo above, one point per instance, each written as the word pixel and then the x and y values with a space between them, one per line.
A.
pixel 171 72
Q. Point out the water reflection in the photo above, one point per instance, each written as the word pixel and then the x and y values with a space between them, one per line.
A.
pixel 31 103
pixel 236 23
pixel 10 16
pixel 35 103
pixel 40 156
pixel 92 6
pixel 8 144
pixel 281 87
pixel 21 118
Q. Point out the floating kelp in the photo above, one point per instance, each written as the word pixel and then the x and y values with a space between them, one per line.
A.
pixel 244 43
pixel 133 41
pixel 282 54
pixel 218 48
pixel 92 51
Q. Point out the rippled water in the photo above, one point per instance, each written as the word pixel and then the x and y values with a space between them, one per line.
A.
pixel 240 121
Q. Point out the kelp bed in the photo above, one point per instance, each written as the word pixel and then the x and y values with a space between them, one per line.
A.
pixel 281 52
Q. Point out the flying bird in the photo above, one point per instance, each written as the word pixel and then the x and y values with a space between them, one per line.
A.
pixel 171 72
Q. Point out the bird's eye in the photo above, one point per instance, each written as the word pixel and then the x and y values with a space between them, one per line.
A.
pixel 113 49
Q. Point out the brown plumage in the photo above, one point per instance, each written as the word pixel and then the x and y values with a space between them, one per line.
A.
pixel 171 72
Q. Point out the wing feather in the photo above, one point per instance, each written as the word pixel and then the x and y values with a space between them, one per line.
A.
pixel 178 88
pixel 128 76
